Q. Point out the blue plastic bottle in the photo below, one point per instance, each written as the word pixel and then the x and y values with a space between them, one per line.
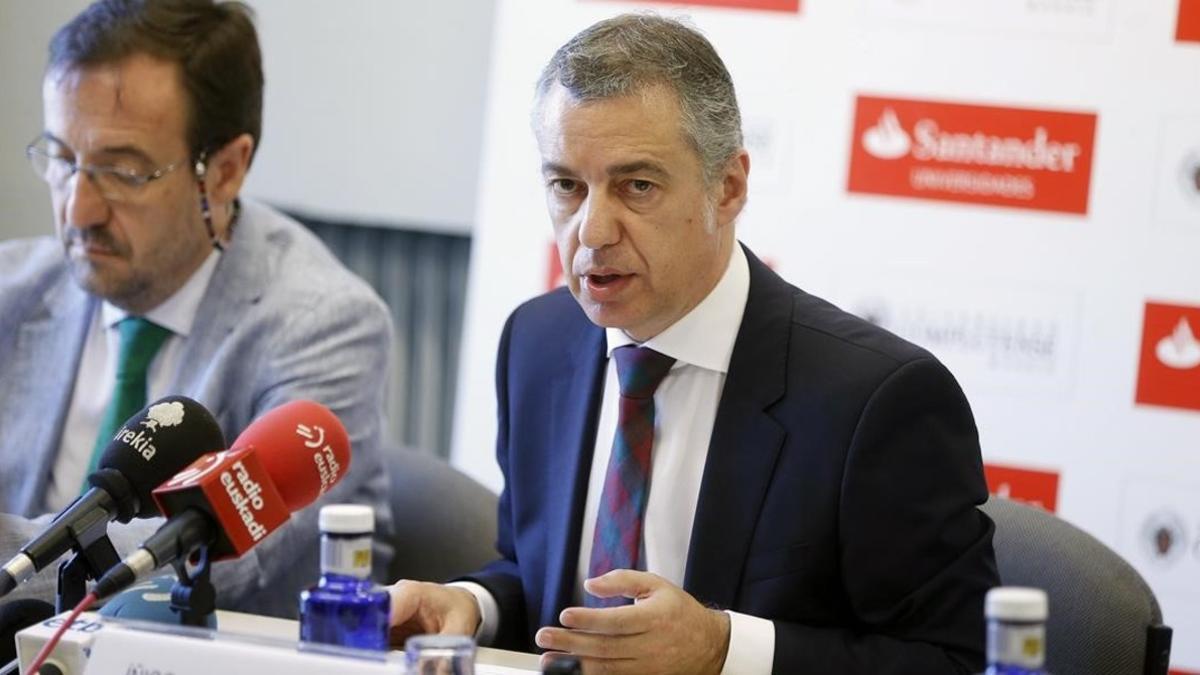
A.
pixel 345 608
pixel 1016 631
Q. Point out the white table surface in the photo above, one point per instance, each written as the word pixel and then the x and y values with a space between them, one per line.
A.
pixel 488 661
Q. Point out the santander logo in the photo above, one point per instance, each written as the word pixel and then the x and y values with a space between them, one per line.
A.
pixel 1180 349
pixel 967 153
pixel 1169 365
pixel 887 139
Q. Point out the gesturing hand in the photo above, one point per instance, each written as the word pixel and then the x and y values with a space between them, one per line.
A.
pixel 420 608
pixel 664 631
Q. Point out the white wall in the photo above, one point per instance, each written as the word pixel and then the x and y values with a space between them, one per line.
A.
pixel 25 30
pixel 373 109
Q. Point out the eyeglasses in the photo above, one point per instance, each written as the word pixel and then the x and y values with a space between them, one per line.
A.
pixel 115 183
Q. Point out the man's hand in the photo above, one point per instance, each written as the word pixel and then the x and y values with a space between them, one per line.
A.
pixel 420 608
pixel 664 631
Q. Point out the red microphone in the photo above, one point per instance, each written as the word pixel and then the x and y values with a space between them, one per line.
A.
pixel 233 499
pixel 311 431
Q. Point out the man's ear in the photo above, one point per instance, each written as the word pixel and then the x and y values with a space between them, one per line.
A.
pixel 225 170
pixel 731 196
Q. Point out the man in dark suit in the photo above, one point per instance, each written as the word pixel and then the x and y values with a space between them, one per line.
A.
pixel 776 485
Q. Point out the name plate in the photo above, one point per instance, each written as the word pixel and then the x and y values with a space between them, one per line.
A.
pixel 135 648
pixel 244 644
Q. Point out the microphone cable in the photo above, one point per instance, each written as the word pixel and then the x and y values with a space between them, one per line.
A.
pixel 44 653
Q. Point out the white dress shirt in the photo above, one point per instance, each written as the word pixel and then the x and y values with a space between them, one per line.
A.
pixel 685 410
pixel 98 372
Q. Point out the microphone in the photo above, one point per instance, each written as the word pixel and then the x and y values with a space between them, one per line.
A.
pixel 16 616
pixel 161 439
pixel 149 600
pixel 231 500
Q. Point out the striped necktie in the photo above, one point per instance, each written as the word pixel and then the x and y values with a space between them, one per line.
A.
pixel 617 541
pixel 140 341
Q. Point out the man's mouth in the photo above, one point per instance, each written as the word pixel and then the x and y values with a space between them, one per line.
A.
pixel 606 285
pixel 93 246
pixel 602 279
pixel 98 249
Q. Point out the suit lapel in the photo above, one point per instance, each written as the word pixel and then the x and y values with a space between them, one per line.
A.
pixel 575 407
pixel 745 443
pixel 239 281
pixel 47 357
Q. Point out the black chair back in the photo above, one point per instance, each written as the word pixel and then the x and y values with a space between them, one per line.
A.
pixel 1104 619
pixel 444 522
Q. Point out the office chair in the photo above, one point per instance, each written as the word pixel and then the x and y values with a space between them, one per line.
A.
pixel 444 523
pixel 1104 619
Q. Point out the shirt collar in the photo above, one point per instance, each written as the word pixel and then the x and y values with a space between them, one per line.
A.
pixel 705 336
pixel 178 312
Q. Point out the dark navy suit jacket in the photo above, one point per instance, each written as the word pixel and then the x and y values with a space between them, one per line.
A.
pixel 838 500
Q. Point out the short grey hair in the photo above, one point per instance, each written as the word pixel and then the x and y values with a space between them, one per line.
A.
pixel 626 54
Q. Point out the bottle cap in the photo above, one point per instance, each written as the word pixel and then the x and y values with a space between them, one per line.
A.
pixel 1014 603
pixel 346 519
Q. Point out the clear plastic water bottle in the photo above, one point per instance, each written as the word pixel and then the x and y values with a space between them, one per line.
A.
pixel 345 608
pixel 1016 630
pixel 439 655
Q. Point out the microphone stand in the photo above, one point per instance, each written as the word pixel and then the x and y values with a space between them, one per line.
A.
pixel 94 555
pixel 193 596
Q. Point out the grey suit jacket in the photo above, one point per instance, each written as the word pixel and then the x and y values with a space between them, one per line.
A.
pixel 281 320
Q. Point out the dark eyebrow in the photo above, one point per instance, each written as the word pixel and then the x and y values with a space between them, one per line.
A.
pixel 552 168
pixel 120 150
pixel 641 166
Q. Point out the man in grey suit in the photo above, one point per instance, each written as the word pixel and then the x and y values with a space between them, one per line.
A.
pixel 152 116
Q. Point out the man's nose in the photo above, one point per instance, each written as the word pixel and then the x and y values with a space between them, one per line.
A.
pixel 600 224
pixel 86 207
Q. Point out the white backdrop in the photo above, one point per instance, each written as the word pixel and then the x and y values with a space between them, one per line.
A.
pixel 372 110
pixel 1013 184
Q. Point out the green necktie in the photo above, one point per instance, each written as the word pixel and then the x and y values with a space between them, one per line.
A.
pixel 140 341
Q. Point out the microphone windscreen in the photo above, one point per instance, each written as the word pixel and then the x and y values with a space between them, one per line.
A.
pixel 303 447
pixel 158 442
pixel 15 616
pixel 149 600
